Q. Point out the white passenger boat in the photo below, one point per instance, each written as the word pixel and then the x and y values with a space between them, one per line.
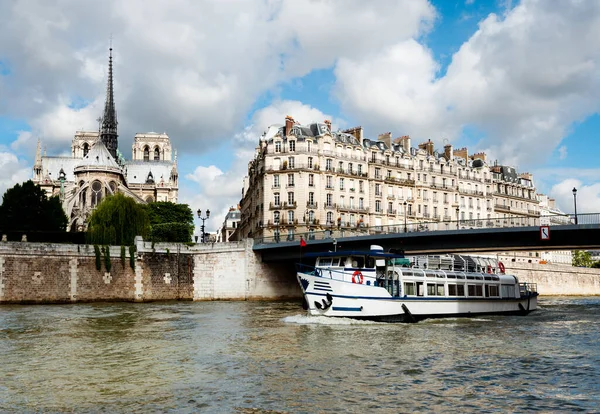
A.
pixel 390 287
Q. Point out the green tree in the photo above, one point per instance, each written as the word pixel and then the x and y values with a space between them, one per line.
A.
pixel 117 220
pixel 26 207
pixel 582 258
pixel 170 222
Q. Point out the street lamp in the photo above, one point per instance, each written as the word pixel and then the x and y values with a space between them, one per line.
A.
pixel 405 229
pixel 457 218
pixel 202 234
pixel 575 202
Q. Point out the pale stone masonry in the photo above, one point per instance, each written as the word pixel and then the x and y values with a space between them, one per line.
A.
pixel 308 178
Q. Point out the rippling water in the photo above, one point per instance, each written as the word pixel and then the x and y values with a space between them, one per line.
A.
pixel 262 357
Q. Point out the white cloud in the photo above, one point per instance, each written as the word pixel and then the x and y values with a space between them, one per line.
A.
pixel 522 79
pixel 588 196
pixel 562 152
pixel 12 171
pixel 189 67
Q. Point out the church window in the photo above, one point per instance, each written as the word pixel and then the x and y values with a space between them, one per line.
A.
pixel 149 199
pixel 156 154
pixel 86 149
pixel 83 198
pixel 113 187
pixel 96 193
pixel 146 153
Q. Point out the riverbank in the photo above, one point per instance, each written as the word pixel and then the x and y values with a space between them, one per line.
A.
pixel 65 273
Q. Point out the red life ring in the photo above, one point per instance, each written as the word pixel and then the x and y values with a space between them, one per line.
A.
pixel 357 277
pixel 501 267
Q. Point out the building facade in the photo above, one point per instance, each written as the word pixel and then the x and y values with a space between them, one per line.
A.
pixel 96 169
pixel 308 178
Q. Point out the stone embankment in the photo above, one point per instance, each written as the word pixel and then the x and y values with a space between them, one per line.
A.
pixel 64 273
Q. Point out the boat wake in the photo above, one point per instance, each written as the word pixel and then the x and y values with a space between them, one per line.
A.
pixel 325 320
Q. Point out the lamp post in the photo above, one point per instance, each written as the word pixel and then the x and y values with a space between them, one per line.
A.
pixel 202 234
pixel 405 228
pixel 62 177
pixel 457 218
pixel 575 202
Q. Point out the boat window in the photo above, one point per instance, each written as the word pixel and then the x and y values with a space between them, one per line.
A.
pixel 470 277
pixel 429 273
pixel 460 290
pixel 358 261
pixel 325 261
pixel 451 289
pixel 440 289
pixel 495 277
pixel 440 274
pixel 370 263
pixel 335 261
pixel 420 289
pixel 408 273
pixel 409 288
pixel 492 290
pixel 431 289
pixel 487 277
pixel 475 290
pixel 342 262
pixel 451 276
pixel 478 277
pixel 507 291
pixel 460 275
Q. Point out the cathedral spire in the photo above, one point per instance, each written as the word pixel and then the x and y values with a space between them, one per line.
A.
pixel 108 130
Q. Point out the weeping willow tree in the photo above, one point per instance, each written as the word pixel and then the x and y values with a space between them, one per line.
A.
pixel 116 221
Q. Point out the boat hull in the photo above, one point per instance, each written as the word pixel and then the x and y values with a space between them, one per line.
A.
pixel 337 298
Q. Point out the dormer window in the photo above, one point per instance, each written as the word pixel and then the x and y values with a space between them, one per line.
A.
pixel 150 178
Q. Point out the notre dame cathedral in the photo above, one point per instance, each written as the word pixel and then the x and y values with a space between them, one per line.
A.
pixel 96 169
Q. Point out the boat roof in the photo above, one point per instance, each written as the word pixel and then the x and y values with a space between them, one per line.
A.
pixel 344 253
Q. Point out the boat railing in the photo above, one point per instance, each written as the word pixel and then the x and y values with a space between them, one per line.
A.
pixel 526 289
pixel 321 271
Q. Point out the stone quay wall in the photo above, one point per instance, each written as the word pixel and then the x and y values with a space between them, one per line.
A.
pixel 64 273
pixel 558 279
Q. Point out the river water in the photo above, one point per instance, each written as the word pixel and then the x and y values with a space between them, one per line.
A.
pixel 254 357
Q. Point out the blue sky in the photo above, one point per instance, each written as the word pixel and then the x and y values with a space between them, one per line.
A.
pixel 518 80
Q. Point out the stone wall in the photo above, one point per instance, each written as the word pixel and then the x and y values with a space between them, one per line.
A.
pixel 61 273
pixel 557 279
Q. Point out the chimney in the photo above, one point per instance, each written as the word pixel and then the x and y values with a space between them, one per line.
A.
pixel 526 176
pixel 356 132
pixel 479 156
pixel 386 138
pixel 448 153
pixel 405 141
pixel 328 123
pixel 289 123
pixel 462 153
pixel 427 147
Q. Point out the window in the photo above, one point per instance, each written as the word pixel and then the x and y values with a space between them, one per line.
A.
pixel 276 180
pixel 310 162
pixel 329 181
pixel 361 187
pixel 156 154
pixel 311 180
pixel 377 189
pixel 359 169
pixel 342 202
pixel 341 167
pixel 311 198
pixel 329 217
pixel 351 205
pixel 290 235
pixel 276 216
pixel 350 168
pixel 291 216
pixel 329 198
pixel 276 199
pixel 308 145
pixel 277 146
pixel 290 180
pixel 341 183
pixel 361 202
pixel 86 149
pixel 378 206
pixel 290 198
pixel 96 193
pixel 377 172
pixel 291 162
pixel 311 216
pixel 373 156
pixel 328 164
pixel 146 153
pixel 292 146
pixel 409 288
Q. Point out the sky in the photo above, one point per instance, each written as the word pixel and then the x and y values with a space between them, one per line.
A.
pixel 519 80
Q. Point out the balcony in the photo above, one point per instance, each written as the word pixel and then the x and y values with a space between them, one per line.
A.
pixel 312 205
pixel 391 212
pixel 501 207
pixel 274 206
pixel 290 205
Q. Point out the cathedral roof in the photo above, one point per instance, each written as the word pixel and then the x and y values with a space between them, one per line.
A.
pixel 137 171
pixel 98 156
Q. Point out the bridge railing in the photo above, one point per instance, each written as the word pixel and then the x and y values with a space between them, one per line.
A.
pixel 360 229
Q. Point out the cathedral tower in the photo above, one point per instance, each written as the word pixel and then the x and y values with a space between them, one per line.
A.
pixel 108 130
